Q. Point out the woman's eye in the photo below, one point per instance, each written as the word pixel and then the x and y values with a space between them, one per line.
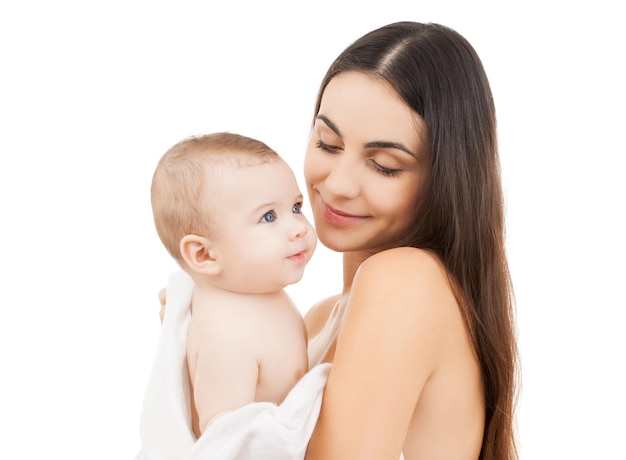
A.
pixel 297 208
pixel 268 217
pixel 385 171
pixel 326 147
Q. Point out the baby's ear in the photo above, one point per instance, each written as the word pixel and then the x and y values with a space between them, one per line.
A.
pixel 197 251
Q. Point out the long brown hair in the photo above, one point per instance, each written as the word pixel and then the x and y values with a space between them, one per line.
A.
pixel 460 215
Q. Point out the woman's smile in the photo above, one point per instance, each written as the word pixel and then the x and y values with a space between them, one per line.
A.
pixel 337 217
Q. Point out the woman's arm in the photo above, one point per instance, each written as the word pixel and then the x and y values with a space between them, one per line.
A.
pixel 316 317
pixel 321 330
pixel 386 351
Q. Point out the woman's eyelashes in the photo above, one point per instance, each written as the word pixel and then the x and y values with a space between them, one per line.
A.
pixel 389 172
pixel 384 171
pixel 327 147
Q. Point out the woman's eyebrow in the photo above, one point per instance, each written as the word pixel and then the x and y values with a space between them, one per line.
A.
pixel 374 144
pixel 330 124
pixel 390 145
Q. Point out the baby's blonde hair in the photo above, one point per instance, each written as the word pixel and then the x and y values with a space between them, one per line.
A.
pixel 181 196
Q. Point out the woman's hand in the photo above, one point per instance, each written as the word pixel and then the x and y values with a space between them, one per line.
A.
pixel 162 297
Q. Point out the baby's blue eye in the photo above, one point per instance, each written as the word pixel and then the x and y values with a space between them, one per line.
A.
pixel 269 217
pixel 297 208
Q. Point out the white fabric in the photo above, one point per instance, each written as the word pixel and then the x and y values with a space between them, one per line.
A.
pixel 323 340
pixel 256 431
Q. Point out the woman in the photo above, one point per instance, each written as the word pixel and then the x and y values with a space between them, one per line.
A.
pixel 403 176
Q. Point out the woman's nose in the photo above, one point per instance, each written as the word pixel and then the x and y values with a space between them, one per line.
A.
pixel 342 177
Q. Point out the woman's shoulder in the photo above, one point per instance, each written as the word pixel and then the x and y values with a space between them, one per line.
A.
pixel 409 281
pixel 402 263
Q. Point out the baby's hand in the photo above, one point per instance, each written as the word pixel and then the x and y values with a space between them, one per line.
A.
pixel 162 296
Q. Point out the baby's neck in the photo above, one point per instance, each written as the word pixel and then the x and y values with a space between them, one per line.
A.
pixel 210 296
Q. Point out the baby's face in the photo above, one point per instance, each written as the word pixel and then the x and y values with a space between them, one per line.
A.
pixel 263 239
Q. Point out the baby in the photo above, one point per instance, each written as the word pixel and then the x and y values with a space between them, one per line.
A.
pixel 229 211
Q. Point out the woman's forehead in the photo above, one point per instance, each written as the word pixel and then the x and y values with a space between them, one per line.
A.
pixel 357 105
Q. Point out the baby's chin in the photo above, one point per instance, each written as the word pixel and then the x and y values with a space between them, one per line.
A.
pixel 294 279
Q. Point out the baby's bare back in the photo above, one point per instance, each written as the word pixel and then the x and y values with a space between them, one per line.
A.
pixel 242 349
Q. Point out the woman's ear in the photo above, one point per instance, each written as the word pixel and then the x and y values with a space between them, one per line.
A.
pixel 198 254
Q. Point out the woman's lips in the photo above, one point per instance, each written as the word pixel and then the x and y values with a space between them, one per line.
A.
pixel 336 217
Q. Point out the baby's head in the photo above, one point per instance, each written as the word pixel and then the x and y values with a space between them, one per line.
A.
pixel 228 206
pixel 184 192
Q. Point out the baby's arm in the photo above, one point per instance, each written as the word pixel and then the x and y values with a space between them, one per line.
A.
pixel 225 375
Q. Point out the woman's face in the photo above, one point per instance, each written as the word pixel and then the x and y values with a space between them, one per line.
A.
pixel 364 164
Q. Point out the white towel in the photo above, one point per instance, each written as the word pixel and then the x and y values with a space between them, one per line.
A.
pixel 260 430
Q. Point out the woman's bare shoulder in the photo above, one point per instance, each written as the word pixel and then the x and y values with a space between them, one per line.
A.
pixel 316 317
pixel 389 346
pixel 412 282
pixel 403 255
pixel 398 265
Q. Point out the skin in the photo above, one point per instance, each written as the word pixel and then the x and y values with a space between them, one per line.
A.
pixel 247 341
pixel 405 377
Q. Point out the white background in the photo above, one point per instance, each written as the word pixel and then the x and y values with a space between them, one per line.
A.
pixel 93 93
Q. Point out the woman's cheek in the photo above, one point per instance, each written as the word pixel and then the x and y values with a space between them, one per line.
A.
pixel 312 167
